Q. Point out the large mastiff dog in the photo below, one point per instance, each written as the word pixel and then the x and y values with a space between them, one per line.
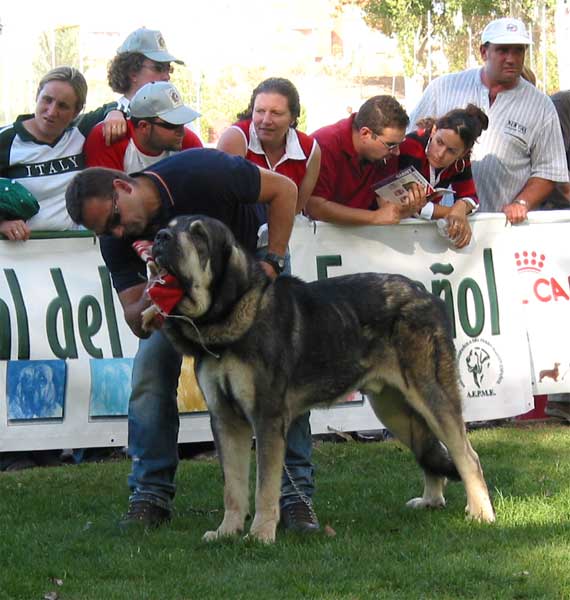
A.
pixel 266 351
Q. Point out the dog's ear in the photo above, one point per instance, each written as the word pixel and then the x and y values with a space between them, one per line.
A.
pixel 198 228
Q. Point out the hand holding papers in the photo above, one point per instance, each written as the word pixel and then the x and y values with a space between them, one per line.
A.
pixel 395 188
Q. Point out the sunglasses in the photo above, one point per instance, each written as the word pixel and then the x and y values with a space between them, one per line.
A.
pixel 160 67
pixel 114 219
pixel 164 124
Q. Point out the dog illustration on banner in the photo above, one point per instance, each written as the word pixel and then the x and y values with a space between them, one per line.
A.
pixel 35 389
pixel 477 360
pixel 266 351
pixel 553 373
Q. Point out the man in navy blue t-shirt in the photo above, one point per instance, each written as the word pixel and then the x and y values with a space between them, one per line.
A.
pixel 121 209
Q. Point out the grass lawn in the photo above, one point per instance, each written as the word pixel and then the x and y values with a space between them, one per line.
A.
pixel 59 538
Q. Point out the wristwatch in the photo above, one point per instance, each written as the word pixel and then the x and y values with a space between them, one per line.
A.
pixel 276 261
pixel 521 202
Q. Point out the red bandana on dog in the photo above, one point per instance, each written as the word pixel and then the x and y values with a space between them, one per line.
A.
pixel 163 290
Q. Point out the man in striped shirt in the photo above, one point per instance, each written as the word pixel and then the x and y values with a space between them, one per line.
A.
pixel 520 158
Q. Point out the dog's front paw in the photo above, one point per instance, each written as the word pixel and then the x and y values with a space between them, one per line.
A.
pixel 210 536
pixel 417 503
pixel 263 532
pixel 219 533
pixel 483 514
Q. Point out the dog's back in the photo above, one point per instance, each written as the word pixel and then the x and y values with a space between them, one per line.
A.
pixel 345 330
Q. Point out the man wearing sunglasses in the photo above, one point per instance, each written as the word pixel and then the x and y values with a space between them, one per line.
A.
pixel 358 152
pixel 155 130
pixel 141 58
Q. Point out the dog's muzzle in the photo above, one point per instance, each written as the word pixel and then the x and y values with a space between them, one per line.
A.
pixel 160 247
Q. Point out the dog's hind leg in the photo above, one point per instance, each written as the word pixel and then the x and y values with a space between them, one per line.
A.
pixel 391 408
pixel 232 435
pixel 270 449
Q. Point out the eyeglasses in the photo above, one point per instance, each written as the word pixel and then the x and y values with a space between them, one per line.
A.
pixel 114 219
pixel 389 147
pixel 164 124
pixel 159 67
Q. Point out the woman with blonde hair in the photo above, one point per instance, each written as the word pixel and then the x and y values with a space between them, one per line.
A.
pixel 43 151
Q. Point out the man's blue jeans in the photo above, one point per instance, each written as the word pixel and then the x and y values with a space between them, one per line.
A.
pixel 299 450
pixel 154 424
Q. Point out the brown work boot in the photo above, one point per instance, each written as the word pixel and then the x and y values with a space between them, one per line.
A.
pixel 142 513
pixel 300 517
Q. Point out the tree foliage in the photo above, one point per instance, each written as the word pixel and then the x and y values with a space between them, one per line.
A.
pixel 57 47
pixel 455 25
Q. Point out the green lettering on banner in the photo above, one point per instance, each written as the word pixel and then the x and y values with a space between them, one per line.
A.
pixel 86 329
pixel 5 331
pixel 469 284
pixel 60 303
pixel 21 315
pixel 323 262
pixel 443 286
pixel 110 314
pixel 492 290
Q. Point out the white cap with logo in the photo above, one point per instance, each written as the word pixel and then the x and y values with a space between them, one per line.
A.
pixel 506 31
pixel 161 99
pixel 150 43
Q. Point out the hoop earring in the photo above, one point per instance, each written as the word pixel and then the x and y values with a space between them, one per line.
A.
pixel 463 165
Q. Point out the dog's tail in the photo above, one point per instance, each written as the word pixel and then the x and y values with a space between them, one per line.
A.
pixel 434 458
pixel 411 428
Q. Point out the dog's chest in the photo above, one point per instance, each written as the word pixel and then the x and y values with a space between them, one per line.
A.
pixel 227 380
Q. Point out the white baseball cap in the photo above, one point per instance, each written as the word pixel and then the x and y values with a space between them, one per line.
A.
pixel 506 31
pixel 161 99
pixel 150 43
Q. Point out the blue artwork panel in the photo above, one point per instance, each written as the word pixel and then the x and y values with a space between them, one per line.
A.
pixel 110 387
pixel 35 389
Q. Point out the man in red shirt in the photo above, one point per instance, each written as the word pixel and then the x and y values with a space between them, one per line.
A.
pixel 155 131
pixel 356 153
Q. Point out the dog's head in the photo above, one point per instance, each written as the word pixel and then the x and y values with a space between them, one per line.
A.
pixel 203 255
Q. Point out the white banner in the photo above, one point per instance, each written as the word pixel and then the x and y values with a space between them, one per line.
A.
pixel 66 353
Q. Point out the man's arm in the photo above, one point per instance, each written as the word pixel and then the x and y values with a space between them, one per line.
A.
pixel 322 209
pixel 134 301
pixel 389 213
pixel 564 189
pixel 97 154
pixel 529 198
pixel 233 142
pixel 280 193
pixel 310 178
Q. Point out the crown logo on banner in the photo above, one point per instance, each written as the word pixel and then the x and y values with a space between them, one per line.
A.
pixel 529 261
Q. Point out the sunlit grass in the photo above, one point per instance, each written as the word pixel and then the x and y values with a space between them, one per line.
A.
pixel 58 531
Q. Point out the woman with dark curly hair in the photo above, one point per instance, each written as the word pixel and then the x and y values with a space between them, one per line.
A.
pixel 439 149
pixel 141 58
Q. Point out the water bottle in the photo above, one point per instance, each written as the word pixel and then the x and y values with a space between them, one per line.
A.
pixel 442 229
